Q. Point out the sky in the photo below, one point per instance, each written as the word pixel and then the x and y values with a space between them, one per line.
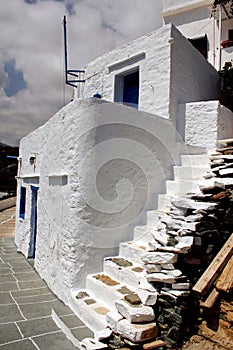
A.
pixel 32 87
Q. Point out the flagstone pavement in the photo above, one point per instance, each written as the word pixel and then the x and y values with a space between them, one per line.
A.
pixel 29 310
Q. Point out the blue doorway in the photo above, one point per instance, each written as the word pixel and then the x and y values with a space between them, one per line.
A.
pixel 32 244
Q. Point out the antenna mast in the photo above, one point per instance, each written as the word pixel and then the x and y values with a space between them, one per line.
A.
pixel 72 76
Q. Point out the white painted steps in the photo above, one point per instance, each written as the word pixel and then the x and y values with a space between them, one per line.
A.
pixel 196 160
pixel 92 312
pixel 181 187
pixel 133 251
pixel 123 272
pixel 184 173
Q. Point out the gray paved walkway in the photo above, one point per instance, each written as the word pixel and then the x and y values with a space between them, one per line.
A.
pixel 26 305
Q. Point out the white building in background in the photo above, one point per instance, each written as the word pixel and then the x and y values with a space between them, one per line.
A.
pixel 73 207
pixel 211 34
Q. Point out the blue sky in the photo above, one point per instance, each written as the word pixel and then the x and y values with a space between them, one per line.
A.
pixel 31 51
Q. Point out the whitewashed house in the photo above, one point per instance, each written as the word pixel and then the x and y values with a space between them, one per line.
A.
pixel 89 175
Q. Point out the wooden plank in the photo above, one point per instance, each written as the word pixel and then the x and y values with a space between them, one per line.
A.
pixel 225 281
pixel 153 345
pixel 212 298
pixel 212 272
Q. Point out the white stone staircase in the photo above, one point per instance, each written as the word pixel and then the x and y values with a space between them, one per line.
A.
pixel 102 303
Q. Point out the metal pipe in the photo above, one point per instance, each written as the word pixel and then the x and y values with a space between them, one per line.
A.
pixel 65 47
pixel 220 36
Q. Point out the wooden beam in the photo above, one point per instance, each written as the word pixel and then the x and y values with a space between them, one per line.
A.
pixel 225 281
pixel 211 299
pixel 212 272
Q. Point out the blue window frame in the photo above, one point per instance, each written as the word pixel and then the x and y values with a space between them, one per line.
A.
pixel 22 204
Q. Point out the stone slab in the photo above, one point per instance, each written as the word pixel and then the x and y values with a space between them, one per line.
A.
pixel 31 284
pixel 54 341
pixel 137 333
pixel 30 328
pixel 135 314
pixel 30 292
pixel 36 299
pixel 159 258
pixel 160 277
pixel 7 278
pixel 9 332
pixel 81 333
pixel 8 286
pixel 21 345
pixel 72 321
pixel 9 313
pixel 5 298
pixel 27 276
pixel 43 309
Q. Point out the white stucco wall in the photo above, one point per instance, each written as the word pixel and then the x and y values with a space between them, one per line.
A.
pixel 171 71
pixel 151 54
pixel 115 161
pixel 192 77
pixel 194 20
pixel 206 123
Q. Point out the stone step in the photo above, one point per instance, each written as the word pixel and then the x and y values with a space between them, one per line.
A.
pixel 198 160
pixel 73 328
pixel 152 217
pixel 133 251
pixel 124 271
pixel 106 289
pixel 182 173
pixel 90 310
pixel 182 187
pixel 142 233
pixel 164 202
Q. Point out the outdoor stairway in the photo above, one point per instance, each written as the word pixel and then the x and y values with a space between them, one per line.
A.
pixel 121 297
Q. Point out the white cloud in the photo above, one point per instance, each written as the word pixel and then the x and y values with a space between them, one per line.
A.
pixel 32 36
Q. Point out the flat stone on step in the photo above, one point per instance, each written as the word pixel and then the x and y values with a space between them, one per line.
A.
pixel 159 258
pixel 137 332
pixel 112 318
pixel 184 202
pixel 135 314
pixel 148 298
pixel 160 277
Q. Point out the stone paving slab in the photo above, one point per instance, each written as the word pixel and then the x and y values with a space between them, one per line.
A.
pixel 31 284
pixel 9 332
pixel 26 306
pixel 6 298
pixel 53 342
pixel 8 286
pixel 27 276
pixel 35 299
pixel 30 292
pixel 9 313
pixel 26 344
pixel 30 328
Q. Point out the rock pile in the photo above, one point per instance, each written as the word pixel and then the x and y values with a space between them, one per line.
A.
pixel 185 242
pixel 163 308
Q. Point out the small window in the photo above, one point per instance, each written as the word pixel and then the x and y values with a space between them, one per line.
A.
pixel 201 44
pixel 127 88
pixel 22 204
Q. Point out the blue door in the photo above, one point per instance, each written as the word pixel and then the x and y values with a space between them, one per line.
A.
pixel 32 244
pixel 131 89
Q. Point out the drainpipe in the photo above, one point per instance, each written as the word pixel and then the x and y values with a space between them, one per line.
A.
pixel 220 37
